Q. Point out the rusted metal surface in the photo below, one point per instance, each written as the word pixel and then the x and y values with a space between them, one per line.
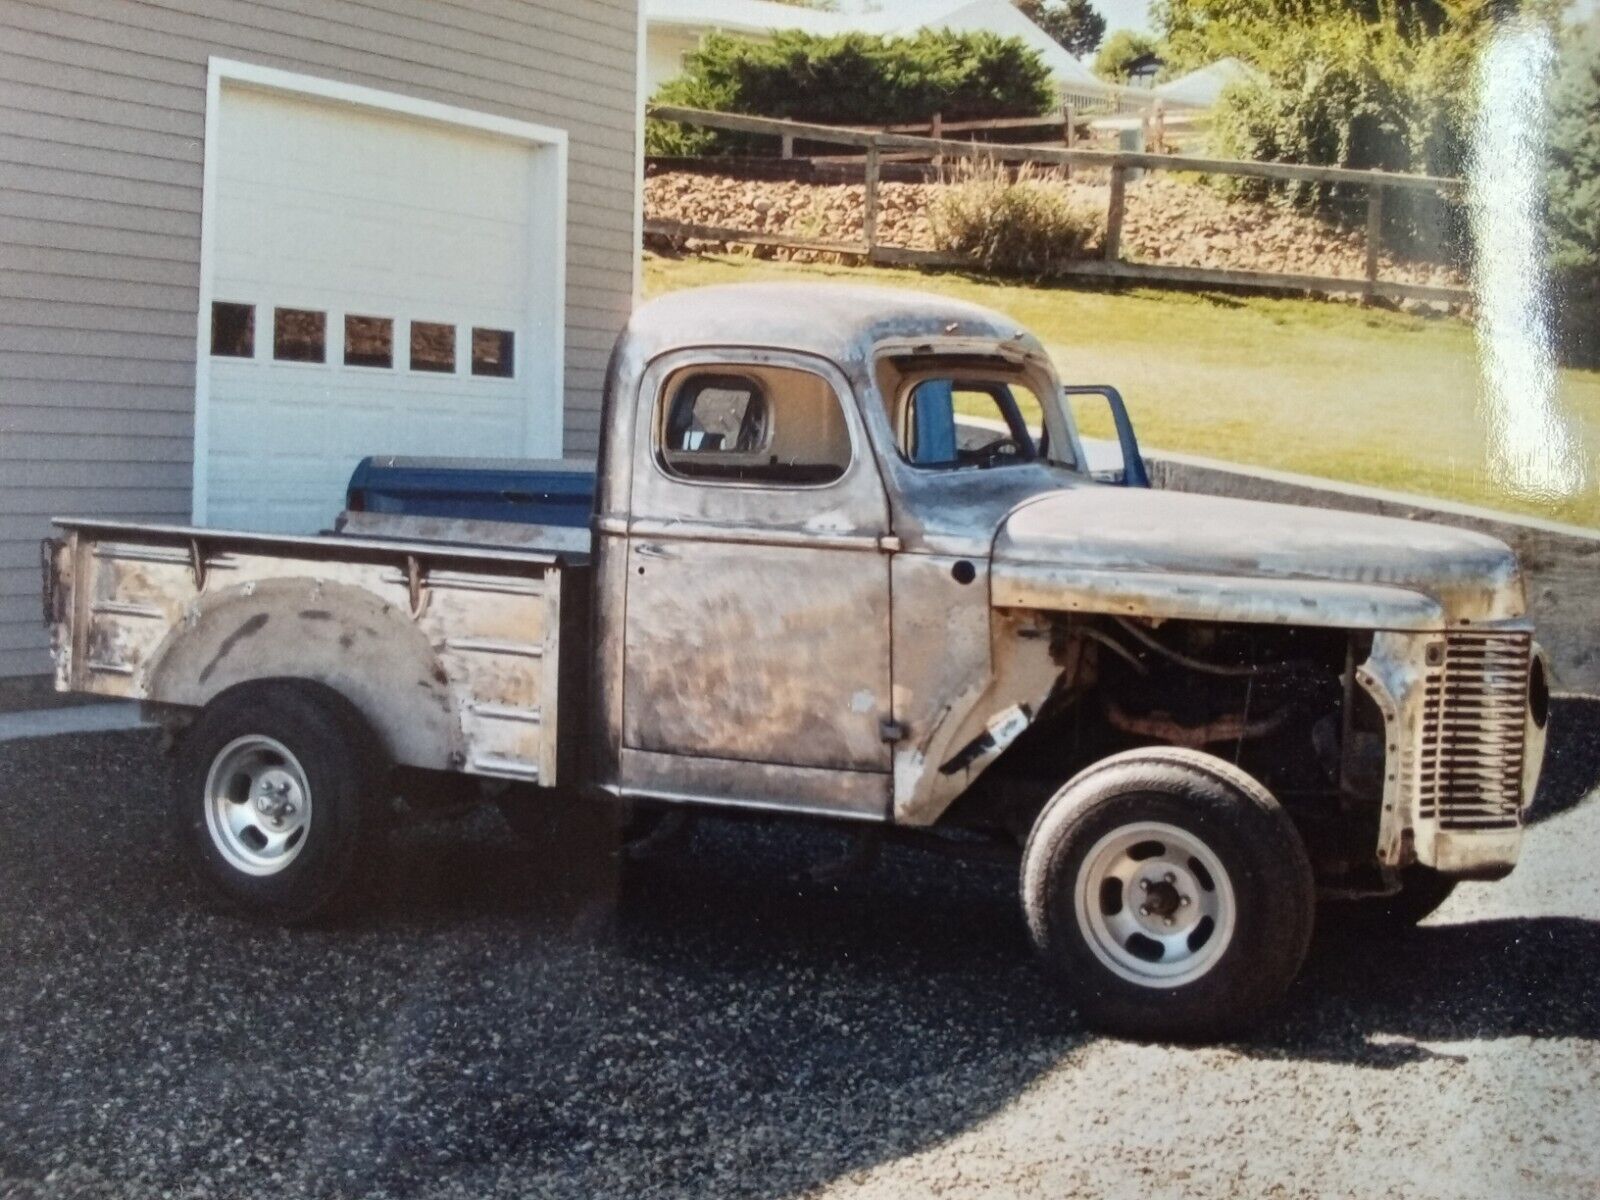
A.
pixel 1403 676
pixel 1171 555
pixel 973 663
pixel 1161 727
pixel 757 621
pixel 450 654
pixel 866 645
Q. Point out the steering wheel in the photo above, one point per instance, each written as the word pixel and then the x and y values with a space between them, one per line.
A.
pixel 996 450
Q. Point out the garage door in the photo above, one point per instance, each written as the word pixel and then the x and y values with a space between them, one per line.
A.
pixel 379 284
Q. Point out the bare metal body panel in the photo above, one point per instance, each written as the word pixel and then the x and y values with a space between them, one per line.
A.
pixel 1210 557
pixel 866 647
pixel 452 654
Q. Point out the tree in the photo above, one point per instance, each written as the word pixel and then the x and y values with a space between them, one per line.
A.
pixel 1195 33
pixel 1073 23
pixel 1573 228
pixel 1117 56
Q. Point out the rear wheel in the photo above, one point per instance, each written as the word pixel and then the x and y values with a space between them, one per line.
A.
pixel 275 805
pixel 1171 894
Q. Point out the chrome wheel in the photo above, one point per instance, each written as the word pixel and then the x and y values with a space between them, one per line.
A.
pixel 258 805
pixel 1154 904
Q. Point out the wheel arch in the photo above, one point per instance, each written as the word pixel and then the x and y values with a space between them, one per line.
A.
pixel 340 638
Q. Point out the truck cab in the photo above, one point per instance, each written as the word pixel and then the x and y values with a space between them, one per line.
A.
pixel 849 560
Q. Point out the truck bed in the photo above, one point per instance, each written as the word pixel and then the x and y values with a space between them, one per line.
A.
pixel 453 651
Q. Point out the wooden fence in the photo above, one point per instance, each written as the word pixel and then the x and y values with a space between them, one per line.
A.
pixel 874 144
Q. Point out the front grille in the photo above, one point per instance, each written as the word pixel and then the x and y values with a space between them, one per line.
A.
pixel 1472 732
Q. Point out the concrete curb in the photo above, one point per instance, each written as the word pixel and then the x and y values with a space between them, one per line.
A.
pixel 86 718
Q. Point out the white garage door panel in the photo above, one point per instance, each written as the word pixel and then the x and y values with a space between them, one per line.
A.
pixel 343 210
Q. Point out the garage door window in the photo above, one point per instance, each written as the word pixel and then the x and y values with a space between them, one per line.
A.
pixel 233 330
pixel 433 347
pixel 299 335
pixel 368 342
pixel 493 353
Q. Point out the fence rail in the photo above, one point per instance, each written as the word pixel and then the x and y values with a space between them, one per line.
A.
pixel 877 144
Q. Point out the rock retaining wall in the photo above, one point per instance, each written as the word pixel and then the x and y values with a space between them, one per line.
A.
pixel 1167 220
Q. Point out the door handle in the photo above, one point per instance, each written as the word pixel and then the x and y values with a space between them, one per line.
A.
pixel 651 550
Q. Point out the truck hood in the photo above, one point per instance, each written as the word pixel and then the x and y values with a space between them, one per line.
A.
pixel 1180 555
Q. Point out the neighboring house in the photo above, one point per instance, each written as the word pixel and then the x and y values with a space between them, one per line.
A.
pixel 243 245
pixel 1201 89
pixel 1143 69
pixel 677 26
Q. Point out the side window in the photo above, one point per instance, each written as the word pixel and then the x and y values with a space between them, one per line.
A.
pixel 774 426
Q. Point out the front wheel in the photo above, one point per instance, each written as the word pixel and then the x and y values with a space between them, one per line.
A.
pixel 1171 894
pixel 275 803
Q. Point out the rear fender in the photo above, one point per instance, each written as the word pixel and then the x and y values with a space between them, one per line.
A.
pixel 343 637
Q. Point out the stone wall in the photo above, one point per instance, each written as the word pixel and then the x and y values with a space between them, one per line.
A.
pixel 1167 221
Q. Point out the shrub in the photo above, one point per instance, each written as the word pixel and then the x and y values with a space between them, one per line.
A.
pixel 1120 49
pixel 1574 194
pixel 851 79
pixel 1376 94
pixel 1007 224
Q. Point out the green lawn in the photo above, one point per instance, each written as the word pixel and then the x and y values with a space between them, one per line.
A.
pixel 1326 389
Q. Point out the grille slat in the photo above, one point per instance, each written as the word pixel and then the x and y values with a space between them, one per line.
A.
pixel 1470 759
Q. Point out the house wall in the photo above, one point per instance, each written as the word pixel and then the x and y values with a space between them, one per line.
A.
pixel 664 51
pixel 102 124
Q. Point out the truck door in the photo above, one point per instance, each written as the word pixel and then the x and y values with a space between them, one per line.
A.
pixel 756 645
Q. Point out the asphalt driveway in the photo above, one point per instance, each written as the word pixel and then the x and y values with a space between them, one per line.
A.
pixel 499 1021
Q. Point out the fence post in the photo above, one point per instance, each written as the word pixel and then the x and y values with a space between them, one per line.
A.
pixel 788 145
pixel 869 216
pixel 1069 132
pixel 1374 239
pixel 1113 247
pixel 936 132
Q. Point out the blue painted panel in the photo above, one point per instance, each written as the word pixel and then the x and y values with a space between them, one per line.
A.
pixel 934 412
pixel 533 495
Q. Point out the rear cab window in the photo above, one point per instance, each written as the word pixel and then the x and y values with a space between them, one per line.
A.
pixel 762 425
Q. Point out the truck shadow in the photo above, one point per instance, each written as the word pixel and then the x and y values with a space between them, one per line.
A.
pixel 553 1023
pixel 1572 758
pixel 1368 1003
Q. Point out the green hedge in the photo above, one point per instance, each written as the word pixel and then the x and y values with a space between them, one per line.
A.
pixel 852 79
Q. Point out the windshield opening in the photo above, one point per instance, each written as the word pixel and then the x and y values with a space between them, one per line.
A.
pixel 951 413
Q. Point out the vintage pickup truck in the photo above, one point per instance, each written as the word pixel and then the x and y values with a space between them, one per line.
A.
pixel 846 562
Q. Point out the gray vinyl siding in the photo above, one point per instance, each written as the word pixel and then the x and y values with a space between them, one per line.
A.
pixel 102 124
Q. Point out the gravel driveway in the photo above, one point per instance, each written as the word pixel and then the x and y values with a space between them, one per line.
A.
pixel 504 1022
